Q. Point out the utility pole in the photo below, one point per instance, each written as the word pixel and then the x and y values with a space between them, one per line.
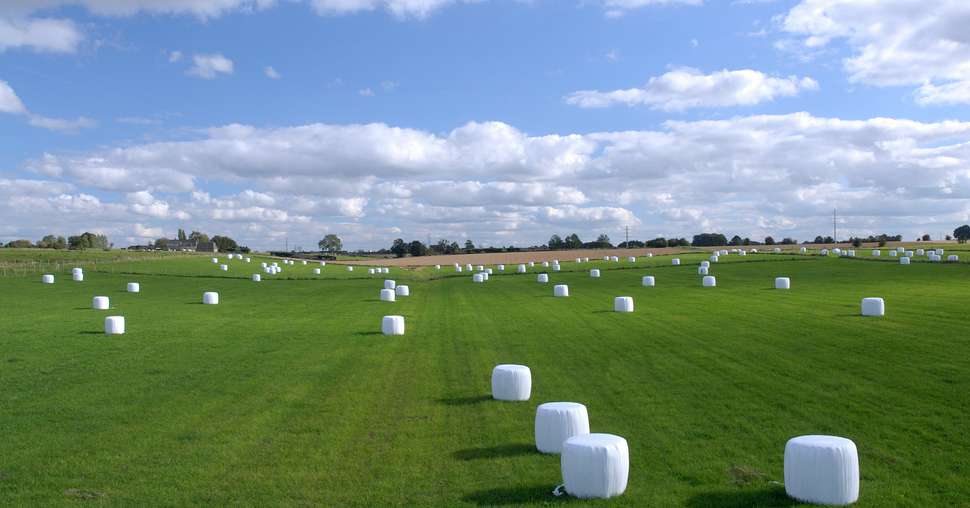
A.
pixel 286 244
pixel 627 237
pixel 835 226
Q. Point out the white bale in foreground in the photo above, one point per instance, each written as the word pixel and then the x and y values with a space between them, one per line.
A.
pixel 556 267
pixel 47 278
pixel 782 283
pixel 873 307
pixel 560 290
pixel 521 269
pixel 904 260
pixel 709 281
pixel 134 287
pixel 75 271
pixel 392 325
pixel 702 270
pixel 478 277
pixel 511 382
pixel 210 298
pixel 953 258
pixel 78 276
pixel 594 273
pixel 114 325
pixel 623 304
pixel 316 271
pixel 389 284
pixel 675 261
pixel 822 470
pixel 714 259
pixel 402 291
pixel 224 268
pixel 706 263
pixel 876 252
pixel 215 261
pixel 649 281
pixel 558 421
pixel 387 295
pixel 595 465
pixel 543 278
pixel 100 303
pixel 257 277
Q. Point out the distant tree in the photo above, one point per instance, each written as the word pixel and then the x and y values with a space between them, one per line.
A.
pixel 709 240
pixel 926 238
pixel 556 243
pixel 199 236
pixel 632 244
pixel 161 243
pixel 181 235
pixel 604 239
pixel 948 238
pixel 882 242
pixel 818 239
pixel 746 241
pixel 735 240
pixel 88 240
pixel 225 244
pixel 788 241
pixel 469 245
pixel 416 248
pixel 52 242
pixel 962 233
pixel 573 242
pixel 331 243
pixel 399 248
pixel 657 243
pixel 769 240
pixel 19 244
pixel 857 242
pixel 828 239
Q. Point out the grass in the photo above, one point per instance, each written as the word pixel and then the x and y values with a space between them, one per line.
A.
pixel 286 394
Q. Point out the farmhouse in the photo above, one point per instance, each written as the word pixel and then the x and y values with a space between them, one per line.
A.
pixel 191 245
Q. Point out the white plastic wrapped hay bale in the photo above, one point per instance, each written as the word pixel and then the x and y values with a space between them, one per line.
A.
pixel 623 304
pixel 114 325
pixel 501 268
pixel 873 307
pixel 900 249
pixel 387 295
pixel 542 278
pixel 263 264
pixel 702 270
pixel 920 252
pixel 837 251
pixel 210 298
pixel 478 278
pixel 777 250
pixel 876 253
pixel 248 260
pixel 480 268
pixel 649 254
pixel 304 262
pixel 488 271
pixel 632 259
pixel 706 264
pixel 709 281
pixel 556 267
pixel 350 268
pixel 755 251
pixel 437 267
pixel 824 252
pixel 595 465
pixel 224 268
pixel 782 283
pixel 893 253
pixel 822 470
pixel 392 325
pixel 742 253
pixel 615 259
pixel 100 303
pixel 133 287
pixel 47 278
pixel 371 271
pixel 934 258
pixel 939 252
pixel 904 260
pixel 485 276
pixel 714 259
pixel 606 258
pixel 532 264
pixel 675 261
pixel 511 382
pixel 579 260
pixel 560 290
pixel 649 281
pixel 558 421
pixel 545 264
pixel 257 277
pixel 953 258
pixel 215 261
pixel 803 250
pixel 521 269
pixel 78 275
pixel 594 273
pixel 585 260
pixel 389 284
pixel 402 291
pixel 469 267
pixel 316 271
pixel 458 269
pixel 385 270
pixel 909 253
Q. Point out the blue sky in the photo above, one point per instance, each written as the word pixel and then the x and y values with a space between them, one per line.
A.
pixel 499 121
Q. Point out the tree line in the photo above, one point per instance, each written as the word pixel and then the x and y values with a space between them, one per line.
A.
pixel 86 240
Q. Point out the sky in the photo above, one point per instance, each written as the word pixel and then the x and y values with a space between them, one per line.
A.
pixel 277 122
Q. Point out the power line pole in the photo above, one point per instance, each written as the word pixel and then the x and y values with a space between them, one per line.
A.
pixel 835 226
pixel 627 237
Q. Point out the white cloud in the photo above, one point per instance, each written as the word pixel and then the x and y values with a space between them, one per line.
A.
pixel 687 88
pixel 617 8
pixel 209 66
pixel 39 34
pixel 174 56
pixel 899 43
pixel 271 73
pixel 10 103
pixel 365 92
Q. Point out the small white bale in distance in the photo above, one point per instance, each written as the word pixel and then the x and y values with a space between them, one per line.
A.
pixel 706 263
pixel 304 262
pixel 402 291
pixel 900 249
pixel 594 273
pixel 560 290
pixel 920 252
pixel 386 270
pixel 210 298
pixel 78 276
pixel 257 277
pixel 909 253
pixel 511 382
pixel 782 283
pixel 469 267
pixel 934 258
pixel 114 325
pixel 893 253
pixel 873 307
pixel 709 281
pixel 387 295
pixel 953 258
pixel 480 268
pixel 579 260
pixel 484 276
pixel 531 264
pixel 649 254
pixel 714 259
pixel 585 260
pixel 702 270
pixel 542 278
pixel 392 325
pixel 437 267
pixel 263 264
pixel 215 261
pixel 477 277
pixel 876 252
pixel 134 287
pixel 47 278
pixel 350 268
pixel 558 421
pixel 488 271
pixel 521 269
pixel 777 250
pixel 595 465
pixel 904 260
pixel 100 303
pixel 623 304
pixel 458 269
pixel 501 268
pixel 824 252
pixel 822 470
pixel 248 260
pixel 556 268
pixel 675 261
pixel 389 284
pixel 632 259
pixel 224 268
pixel 545 264
pixel 316 271
pixel 837 251
pixel 649 281
pixel 322 263
pixel 615 259
pixel 803 250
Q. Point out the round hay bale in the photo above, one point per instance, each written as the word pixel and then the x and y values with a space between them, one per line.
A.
pixel 675 261
pixel 100 303
pixel 579 260
pixel 47 278
pixel 623 304
pixel 920 252
pixel 953 258
pixel 458 269
pixel 904 260
pixel 521 269
pixel 873 307
pixel 822 470
pixel 542 278
pixel 469 267
pixel 782 283
pixel 263 264
pixel 595 465
pixel 389 284
pixel 501 268
pixel 545 264
pixel 803 250
pixel 316 271
pixel 248 260
pixel 556 268
pixel 714 259
pixel 615 259
pixel 558 421
pixel 133 287
pixel 585 260
pixel 706 264
pixel 304 262
pixel 437 267
pixel 480 268
pixel 485 276
pixel 777 250
pixel 215 261
pixel 387 295
pixel 632 259
pixel 649 281
pixel 350 268
pixel 224 268
pixel 560 290
pixel 876 252
pixel 488 271
pixel 893 253
pixel 392 325
pixel 210 298
pixel 702 270
pixel 909 253
pixel 257 277
pixel 478 277
pixel 402 291
pixel 78 276
pixel 824 252
pixel 594 273
pixel 532 264
pixel 649 254
pixel 511 382
pixel 709 281
pixel 114 325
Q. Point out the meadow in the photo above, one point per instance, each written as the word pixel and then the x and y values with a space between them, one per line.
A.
pixel 287 394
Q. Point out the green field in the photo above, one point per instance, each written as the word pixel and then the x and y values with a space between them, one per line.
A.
pixel 287 394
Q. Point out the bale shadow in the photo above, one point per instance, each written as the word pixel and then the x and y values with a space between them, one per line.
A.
pixel 496 452
pixel 465 401
pixel 602 311
pixel 91 332
pixel 768 497
pixel 526 494
pixel 366 334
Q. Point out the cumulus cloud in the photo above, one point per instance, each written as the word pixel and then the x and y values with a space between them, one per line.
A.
pixel 39 34
pixel 899 43
pixel 11 103
pixel 209 66
pixel 687 88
